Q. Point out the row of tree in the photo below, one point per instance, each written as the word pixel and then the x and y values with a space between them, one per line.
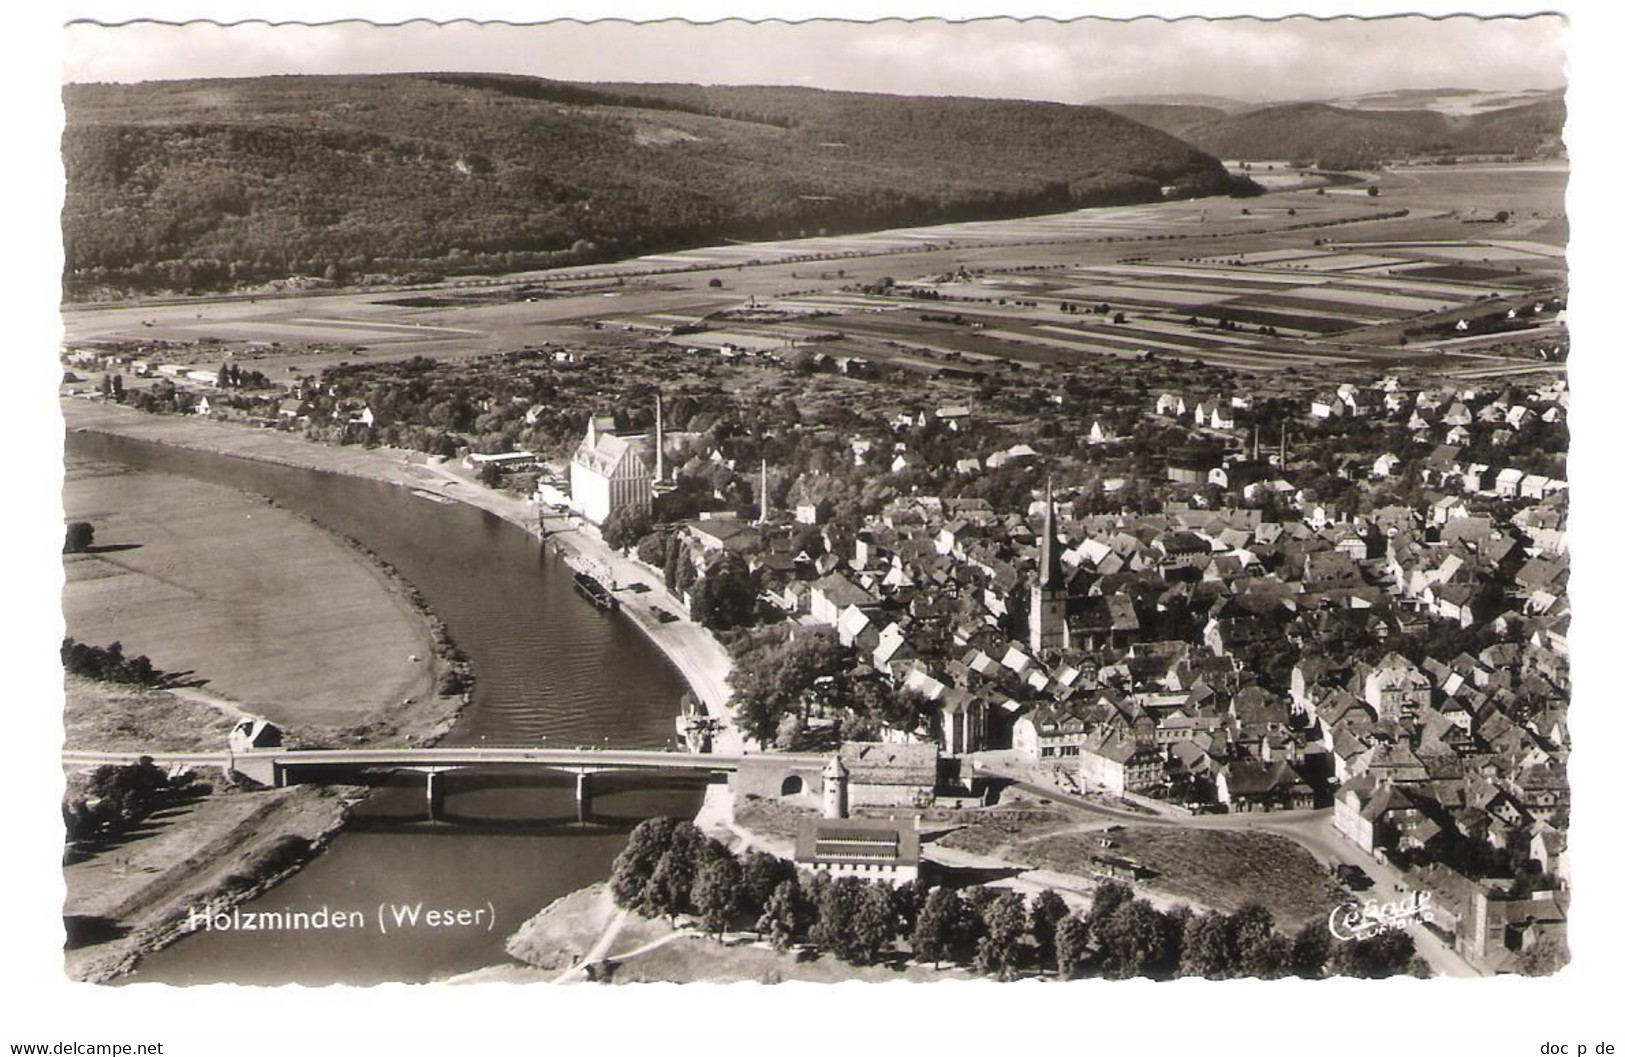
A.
pixel 669 867
pixel 108 664
pixel 115 798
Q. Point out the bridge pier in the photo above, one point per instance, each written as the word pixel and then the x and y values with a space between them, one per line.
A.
pixel 435 793
pixel 264 771
pixel 583 796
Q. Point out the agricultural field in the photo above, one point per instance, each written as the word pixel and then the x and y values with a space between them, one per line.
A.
pixel 1292 279
pixel 1261 311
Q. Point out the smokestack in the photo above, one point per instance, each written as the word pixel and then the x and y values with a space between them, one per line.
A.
pixel 660 443
pixel 1283 445
pixel 761 497
pixel 1255 442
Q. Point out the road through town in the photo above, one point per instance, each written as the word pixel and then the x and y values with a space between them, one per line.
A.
pixel 1310 830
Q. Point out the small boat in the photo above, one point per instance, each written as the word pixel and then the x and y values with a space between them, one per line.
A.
pixel 432 496
pixel 694 727
pixel 595 591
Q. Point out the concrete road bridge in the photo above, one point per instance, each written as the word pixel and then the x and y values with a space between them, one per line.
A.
pixel 279 766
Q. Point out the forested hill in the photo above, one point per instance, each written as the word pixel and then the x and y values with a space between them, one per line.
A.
pixel 201 183
pixel 1342 137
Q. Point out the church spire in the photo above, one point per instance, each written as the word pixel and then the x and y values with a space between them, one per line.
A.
pixel 1049 559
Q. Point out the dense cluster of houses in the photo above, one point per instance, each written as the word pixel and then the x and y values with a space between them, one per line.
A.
pixel 1441 424
pixel 1218 658
pixel 1133 653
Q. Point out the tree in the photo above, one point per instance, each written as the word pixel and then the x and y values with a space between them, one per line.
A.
pixel 654 874
pixel 625 526
pixel 1108 897
pixel 906 900
pixel 1071 946
pixel 936 925
pixel 629 876
pixel 1375 957
pixel 1004 924
pixel 971 926
pixel 1134 940
pixel 855 921
pixel 1207 948
pixel 676 556
pixel 663 895
pixel 123 794
pixel 1252 928
pixel 1048 910
pixel 875 923
pixel 716 892
pixel 905 711
pixel 1310 948
pixel 725 598
pixel 762 874
pixel 784 918
pixel 1271 959
pixel 772 676
pixel 1543 957
pixel 80 536
pixel 652 549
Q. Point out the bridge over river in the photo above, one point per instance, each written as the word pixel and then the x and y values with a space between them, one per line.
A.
pixel 278 766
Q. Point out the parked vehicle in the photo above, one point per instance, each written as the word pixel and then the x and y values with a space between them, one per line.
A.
pixel 1354 877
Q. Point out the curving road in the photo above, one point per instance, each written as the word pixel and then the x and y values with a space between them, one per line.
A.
pixel 1310 830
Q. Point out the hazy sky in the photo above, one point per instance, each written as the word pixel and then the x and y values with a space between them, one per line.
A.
pixel 1072 62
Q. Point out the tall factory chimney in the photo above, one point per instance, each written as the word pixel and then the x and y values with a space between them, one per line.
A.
pixel 660 443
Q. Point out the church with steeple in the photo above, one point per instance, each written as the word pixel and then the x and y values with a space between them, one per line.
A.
pixel 1046 614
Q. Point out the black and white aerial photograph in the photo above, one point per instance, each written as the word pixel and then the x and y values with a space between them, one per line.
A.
pixel 1026 502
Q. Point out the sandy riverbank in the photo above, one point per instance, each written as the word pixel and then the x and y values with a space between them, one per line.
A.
pixel 242 601
pixel 695 652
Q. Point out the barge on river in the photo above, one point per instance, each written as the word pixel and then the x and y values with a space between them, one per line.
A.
pixel 595 590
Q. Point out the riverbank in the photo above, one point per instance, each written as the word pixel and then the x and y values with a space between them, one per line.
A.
pixel 693 650
pixel 131 898
pixel 237 599
pixel 585 937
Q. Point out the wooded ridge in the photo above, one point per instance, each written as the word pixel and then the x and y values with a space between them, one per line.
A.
pixel 205 184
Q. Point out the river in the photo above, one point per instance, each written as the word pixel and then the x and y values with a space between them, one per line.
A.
pixel 550 669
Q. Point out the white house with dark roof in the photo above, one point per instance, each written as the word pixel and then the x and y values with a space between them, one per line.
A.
pixel 1115 760
pixel 875 849
pixel 609 473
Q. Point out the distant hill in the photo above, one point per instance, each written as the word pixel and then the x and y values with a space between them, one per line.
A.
pixel 1173 118
pixel 1343 137
pixel 204 183
pixel 1458 101
pixel 1221 103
